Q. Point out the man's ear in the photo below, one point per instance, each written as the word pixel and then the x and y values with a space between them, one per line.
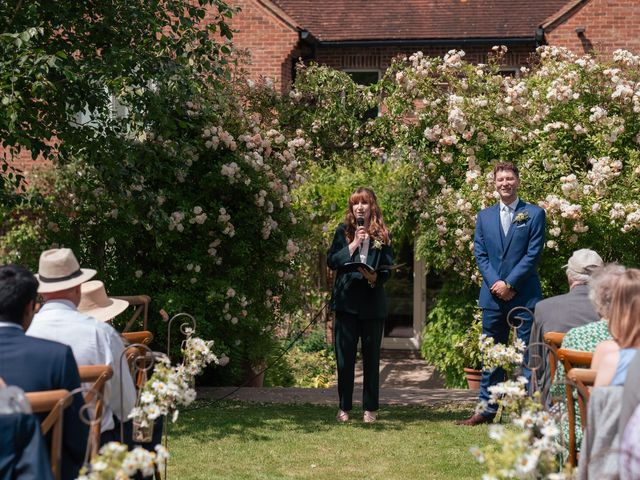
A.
pixel 27 315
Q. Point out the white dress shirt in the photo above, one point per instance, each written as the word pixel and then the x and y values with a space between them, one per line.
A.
pixel 93 343
pixel 364 249
pixel 10 325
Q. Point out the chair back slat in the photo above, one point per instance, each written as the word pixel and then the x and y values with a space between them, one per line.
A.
pixel 583 379
pixel 145 337
pixel 52 402
pixel 574 358
pixel 97 375
pixel 554 340
pixel 141 307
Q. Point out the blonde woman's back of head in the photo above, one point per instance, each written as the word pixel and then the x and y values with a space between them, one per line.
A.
pixel 624 314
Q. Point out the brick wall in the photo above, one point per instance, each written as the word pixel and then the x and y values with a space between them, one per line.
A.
pixel 272 41
pixel 608 25
pixel 21 162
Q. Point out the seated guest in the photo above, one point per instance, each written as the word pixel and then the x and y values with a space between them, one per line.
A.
pixel 630 446
pixel 612 357
pixel 23 453
pixel 631 394
pixel 564 312
pixel 629 423
pixel 587 337
pixel 35 365
pixel 93 342
pixel 95 303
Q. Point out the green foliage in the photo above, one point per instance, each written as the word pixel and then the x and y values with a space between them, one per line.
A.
pixel 309 363
pixel 170 178
pixel 449 340
pixel 305 442
pixel 312 369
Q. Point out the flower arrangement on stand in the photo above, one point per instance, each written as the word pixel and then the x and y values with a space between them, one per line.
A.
pixel 499 355
pixel 171 387
pixel 115 462
pixel 529 445
pixel 168 388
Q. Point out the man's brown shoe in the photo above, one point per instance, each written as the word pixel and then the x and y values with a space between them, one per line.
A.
pixel 475 419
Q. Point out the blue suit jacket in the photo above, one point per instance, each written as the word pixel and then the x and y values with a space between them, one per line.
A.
pixel 23 453
pixel 34 364
pixel 513 258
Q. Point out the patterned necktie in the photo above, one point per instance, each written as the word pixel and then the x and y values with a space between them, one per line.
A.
pixel 505 219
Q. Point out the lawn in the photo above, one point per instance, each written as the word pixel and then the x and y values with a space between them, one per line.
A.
pixel 234 441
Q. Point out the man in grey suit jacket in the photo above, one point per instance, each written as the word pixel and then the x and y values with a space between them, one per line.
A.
pixel 564 312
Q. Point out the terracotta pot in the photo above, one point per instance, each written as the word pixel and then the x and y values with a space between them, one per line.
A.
pixel 253 376
pixel 473 378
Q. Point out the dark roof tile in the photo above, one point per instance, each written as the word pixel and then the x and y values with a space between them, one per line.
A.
pixel 354 20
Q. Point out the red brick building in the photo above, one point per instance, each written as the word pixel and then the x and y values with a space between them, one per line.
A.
pixel 599 25
pixel 364 35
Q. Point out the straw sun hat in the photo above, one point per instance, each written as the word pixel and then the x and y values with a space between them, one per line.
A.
pixel 59 270
pixel 95 302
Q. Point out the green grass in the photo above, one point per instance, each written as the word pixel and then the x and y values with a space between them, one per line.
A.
pixel 233 441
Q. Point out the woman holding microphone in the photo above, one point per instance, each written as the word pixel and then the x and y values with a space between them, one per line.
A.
pixel 359 299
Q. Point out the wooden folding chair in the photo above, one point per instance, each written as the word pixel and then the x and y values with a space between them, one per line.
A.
pixel 97 375
pixel 572 359
pixel 141 307
pixel 583 378
pixel 554 341
pixel 52 402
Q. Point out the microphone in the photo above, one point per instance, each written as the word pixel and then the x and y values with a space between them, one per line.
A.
pixel 360 221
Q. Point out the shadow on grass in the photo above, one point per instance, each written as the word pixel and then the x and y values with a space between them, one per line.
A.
pixel 207 420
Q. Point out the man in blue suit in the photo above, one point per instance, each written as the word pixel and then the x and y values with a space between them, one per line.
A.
pixel 34 364
pixel 508 242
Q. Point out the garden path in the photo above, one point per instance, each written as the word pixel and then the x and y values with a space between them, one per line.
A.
pixel 403 381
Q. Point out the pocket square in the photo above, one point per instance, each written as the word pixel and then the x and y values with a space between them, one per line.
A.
pixel 522 225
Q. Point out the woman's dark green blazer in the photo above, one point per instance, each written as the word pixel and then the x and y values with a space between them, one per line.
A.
pixel 351 291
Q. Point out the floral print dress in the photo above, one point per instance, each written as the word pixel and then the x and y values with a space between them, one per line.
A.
pixel 584 339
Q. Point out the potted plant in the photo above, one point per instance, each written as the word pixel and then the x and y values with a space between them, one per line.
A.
pixel 471 351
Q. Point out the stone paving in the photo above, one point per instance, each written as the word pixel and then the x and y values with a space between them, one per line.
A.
pixel 403 381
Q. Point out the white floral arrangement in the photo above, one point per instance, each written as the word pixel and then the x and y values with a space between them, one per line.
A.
pixel 198 354
pixel 499 355
pixel 171 387
pixel 529 447
pixel 115 462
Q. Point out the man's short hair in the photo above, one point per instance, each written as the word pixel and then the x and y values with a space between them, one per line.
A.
pixel 18 287
pixel 500 166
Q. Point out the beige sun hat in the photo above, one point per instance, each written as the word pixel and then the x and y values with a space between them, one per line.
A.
pixel 584 261
pixel 59 270
pixel 95 302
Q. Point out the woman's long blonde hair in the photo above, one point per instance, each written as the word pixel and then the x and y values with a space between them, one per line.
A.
pixel 624 314
pixel 377 229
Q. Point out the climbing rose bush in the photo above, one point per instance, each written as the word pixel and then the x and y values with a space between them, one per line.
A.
pixel 570 123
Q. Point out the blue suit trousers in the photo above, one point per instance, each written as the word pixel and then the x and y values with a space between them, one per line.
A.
pixel 494 325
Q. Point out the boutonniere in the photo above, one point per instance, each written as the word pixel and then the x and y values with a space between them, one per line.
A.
pixel 521 217
pixel 377 244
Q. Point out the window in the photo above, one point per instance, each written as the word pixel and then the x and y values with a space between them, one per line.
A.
pixel 366 78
